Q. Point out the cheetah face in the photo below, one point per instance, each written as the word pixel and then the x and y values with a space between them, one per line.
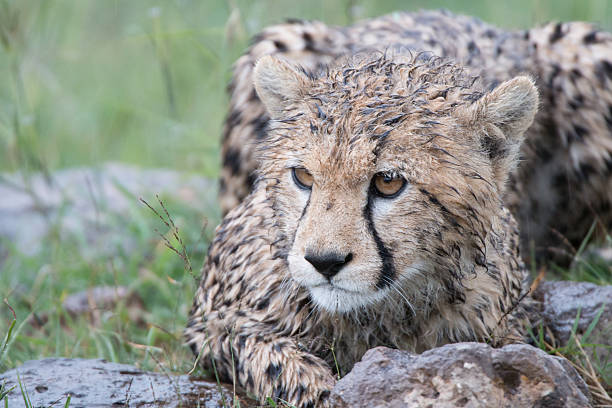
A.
pixel 344 248
pixel 386 176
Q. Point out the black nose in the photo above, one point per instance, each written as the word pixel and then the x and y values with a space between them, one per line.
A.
pixel 328 264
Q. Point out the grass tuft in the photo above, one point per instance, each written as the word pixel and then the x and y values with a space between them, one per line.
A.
pixel 581 354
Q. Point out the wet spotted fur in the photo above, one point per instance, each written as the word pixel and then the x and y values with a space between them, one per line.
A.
pixel 436 262
pixel 563 184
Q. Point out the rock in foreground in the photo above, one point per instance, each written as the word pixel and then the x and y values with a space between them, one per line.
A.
pixel 461 375
pixel 98 383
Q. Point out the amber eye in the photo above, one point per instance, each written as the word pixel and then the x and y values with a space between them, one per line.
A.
pixel 388 185
pixel 302 178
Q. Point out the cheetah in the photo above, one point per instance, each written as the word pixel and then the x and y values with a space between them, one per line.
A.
pixel 377 220
pixel 563 185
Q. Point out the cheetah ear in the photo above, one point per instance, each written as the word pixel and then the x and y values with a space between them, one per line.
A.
pixel 502 116
pixel 277 84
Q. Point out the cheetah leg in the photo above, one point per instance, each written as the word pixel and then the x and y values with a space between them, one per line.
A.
pixel 269 366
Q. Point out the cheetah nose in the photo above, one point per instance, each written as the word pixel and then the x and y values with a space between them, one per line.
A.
pixel 328 264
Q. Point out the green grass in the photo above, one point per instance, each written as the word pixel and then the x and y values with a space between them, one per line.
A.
pixel 143 81
pixel 584 355
pixel 138 81
pixel 35 287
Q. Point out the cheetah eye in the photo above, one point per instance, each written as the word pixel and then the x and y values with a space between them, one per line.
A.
pixel 302 178
pixel 388 185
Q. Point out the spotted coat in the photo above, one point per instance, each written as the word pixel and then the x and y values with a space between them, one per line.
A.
pixel 563 185
pixel 437 263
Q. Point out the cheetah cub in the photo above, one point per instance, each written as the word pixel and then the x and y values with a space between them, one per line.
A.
pixel 377 219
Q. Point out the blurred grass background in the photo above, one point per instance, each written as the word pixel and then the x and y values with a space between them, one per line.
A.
pixel 143 82
pixel 88 81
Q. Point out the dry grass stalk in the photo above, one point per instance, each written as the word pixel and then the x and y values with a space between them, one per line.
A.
pixel 174 231
pixel 582 363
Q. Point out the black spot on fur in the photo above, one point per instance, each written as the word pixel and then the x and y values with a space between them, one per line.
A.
pixel 280 46
pixel 194 349
pixel 575 75
pixel 320 114
pixel 557 33
pixel 262 304
pixel 490 33
pixel 215 258
pixel 241 341
pixel 231 159
pixel 590 38
pixel 324 395
pixel 309 361
pixel 473 49
pixel 543 153
pixel 251 180
pixel 556 69
pixel 493 147
pixel 273 371
pixel 586 170
pixel 579 133
pixel 609 117
pixel 308 42
pixel 603 70
pixel 260 125
pixel 452 289
pixel 300 391
pixel 233 119
pixel 577 102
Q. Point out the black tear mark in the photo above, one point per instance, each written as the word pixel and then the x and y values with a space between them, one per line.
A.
pixel 387 272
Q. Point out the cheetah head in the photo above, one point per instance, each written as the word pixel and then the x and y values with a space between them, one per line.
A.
pixel 386 174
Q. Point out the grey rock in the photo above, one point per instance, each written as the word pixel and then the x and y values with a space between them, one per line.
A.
pixel 461 375
pixel 99 298
pixel 98 383
pixel 561 302
pixel 99 301
pixel 90 203
pixel 97 304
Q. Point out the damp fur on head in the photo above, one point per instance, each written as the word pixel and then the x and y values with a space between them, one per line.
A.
pixel 417 116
